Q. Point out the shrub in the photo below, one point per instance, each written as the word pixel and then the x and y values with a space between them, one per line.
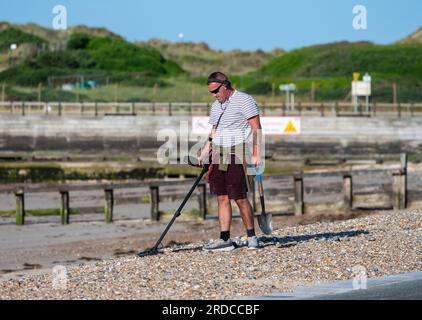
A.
pixel 78 41
pixel 261 88
pixel 71 59
pixel 13 35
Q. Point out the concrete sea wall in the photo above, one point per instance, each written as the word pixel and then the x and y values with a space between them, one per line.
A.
pixel 132 134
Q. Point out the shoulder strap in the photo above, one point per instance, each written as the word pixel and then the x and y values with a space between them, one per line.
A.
pixel 219 119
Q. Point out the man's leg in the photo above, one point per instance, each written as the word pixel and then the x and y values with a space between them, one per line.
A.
pixel 246 213
pixel 224 213
pixel 248 220
pixel 224 218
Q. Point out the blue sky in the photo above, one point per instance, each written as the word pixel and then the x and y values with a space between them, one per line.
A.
pixel 227 25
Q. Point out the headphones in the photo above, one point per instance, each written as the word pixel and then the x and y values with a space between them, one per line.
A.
pixel 226 82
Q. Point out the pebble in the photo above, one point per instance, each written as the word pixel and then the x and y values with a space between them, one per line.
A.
pixel 382 244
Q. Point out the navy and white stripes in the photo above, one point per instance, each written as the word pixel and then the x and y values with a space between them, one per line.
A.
pixel 233 128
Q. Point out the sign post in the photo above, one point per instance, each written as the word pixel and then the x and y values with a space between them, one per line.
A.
pixel 367 79
pixel 361 89
pixel 290 97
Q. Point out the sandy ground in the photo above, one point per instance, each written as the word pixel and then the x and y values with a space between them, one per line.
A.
pixel 44 243
pixel 30 248
pixel 318 253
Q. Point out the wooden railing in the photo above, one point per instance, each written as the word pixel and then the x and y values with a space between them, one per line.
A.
pixel 398 196
pixel 97 109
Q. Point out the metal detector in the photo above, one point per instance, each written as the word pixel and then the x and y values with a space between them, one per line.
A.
pixel 193 162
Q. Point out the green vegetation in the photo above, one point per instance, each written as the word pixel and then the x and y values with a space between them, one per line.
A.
pixel 342 59
pixel 200 60
pixel 145 200
pixel 48 94
pixel 13 35
pixel 330 68
pixel 119 55
pixel 111 58
pixel 159 71
pixel 52 172
pixel 37 213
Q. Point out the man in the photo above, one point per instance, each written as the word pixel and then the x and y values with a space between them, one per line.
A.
pixel 236 124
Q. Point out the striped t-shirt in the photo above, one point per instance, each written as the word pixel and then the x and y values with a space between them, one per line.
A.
pixel 233 128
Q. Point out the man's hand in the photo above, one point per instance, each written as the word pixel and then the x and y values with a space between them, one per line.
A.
pixel 205 154
pixel 256 161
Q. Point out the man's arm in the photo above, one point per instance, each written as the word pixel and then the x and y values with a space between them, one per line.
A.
pixel 255 124
pixel 207 147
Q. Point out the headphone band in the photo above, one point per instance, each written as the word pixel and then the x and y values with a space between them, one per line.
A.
pixel 225 82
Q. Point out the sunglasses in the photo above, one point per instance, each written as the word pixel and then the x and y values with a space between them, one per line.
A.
pixel 216 90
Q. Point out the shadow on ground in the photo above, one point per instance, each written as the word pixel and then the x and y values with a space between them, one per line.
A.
pixel 281 242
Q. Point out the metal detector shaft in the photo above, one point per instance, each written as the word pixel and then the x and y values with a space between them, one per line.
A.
pixel 179 210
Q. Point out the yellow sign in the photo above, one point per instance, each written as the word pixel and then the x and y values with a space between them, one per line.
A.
pixel 356 76
pixel 290 128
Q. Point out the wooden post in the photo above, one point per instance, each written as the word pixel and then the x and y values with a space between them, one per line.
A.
pixel 155 199
pixel 322 109
pixel 109 203
pixel 170 109
pixel 115 95
pixel 394 93
pixel 39 91
pixel 133 108
pixel 336 109
pixel 96 109
pixel 82 108
pixel 374 110
pixel 298 187
pixel 65 210
pixel 403 162
pixel 400 185
pixel 299 106
pixel 59 109
pixel 412 110
pixel 202 200
pixel 20 207
pixel 23 108
pixel 284 109
pixel 154 94
pixel 399 110
pixel 399 191
pixel 313 92
pixel 347 190
pixel 192 97
pixel 3 92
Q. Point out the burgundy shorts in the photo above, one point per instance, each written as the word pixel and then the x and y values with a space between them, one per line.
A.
pixel 231 182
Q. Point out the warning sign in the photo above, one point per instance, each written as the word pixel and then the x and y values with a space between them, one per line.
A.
pixel 270 125
pixel 290 129
pixel 281 125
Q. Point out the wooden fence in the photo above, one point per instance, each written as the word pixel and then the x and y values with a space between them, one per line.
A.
pixel 97 109
pixel 399 194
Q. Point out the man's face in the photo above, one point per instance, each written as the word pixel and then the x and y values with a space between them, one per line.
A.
pixel 219 91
